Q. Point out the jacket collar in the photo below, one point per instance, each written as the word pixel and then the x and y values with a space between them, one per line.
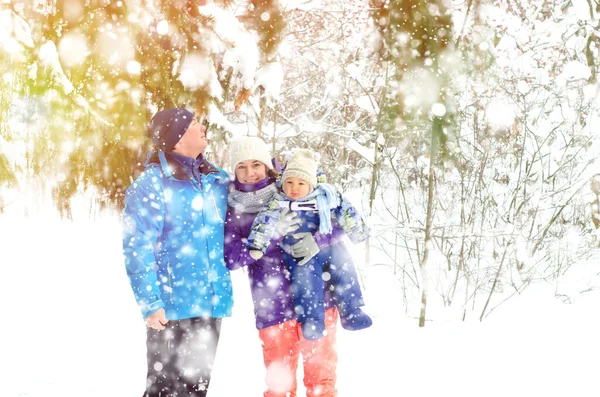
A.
pixel 180 167
pixel 246 187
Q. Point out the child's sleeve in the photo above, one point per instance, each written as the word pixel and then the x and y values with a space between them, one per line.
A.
pixel 350 220
pixel 327 240
pixel 263 227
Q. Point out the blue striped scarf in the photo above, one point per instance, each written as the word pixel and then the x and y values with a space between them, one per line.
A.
pixel 327 199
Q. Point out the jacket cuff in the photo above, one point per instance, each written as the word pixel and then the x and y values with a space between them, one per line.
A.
pixel 148 309
pixel 274 244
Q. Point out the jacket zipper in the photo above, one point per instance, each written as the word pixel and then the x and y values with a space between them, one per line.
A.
pixel 214 203
pixel 215 208
pixel 169 270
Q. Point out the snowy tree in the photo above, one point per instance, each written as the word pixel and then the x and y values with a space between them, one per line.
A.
pixel 510 183
pixel 416 45
pixel 88 76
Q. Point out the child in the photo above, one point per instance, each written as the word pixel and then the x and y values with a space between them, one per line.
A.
pixel 316 203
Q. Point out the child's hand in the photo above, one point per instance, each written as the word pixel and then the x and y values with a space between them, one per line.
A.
pixel 287 223
pixel 256 254
pixel 305 248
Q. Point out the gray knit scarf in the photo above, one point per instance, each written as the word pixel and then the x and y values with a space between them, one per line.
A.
pixel 251 202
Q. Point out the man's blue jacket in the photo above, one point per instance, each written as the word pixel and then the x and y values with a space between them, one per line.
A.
pixel 173 232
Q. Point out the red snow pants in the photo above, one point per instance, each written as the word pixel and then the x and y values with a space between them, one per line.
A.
pixel 283 343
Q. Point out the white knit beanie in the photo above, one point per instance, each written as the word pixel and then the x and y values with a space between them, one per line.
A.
pixel 249 148
pixel 302 165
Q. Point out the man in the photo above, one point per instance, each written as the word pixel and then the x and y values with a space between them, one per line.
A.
pixel 173 228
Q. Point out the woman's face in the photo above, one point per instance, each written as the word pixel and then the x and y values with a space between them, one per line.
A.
pixel 250 171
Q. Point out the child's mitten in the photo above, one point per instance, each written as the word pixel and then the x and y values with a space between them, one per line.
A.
pixel 306 247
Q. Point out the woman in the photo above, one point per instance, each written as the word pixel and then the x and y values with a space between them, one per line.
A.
pixel 278 330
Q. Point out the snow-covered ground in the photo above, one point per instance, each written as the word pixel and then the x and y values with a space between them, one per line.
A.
pixel 71 328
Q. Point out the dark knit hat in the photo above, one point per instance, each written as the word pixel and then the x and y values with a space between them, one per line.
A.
pixel 168 126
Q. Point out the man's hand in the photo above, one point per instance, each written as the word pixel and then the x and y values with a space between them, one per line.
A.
pixel 157 320
pixel 287 223
pixel 305 248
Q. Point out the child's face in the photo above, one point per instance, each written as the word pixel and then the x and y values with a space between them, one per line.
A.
pixel 250 171
pixel 296 188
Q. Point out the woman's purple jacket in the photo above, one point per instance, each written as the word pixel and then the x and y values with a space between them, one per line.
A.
pixel 269 277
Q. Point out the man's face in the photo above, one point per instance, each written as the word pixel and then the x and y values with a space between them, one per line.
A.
pixel 193 142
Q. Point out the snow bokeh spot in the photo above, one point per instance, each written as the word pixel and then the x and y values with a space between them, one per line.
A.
pixel 438 110
pixel 133 67
pixel 73 49
pixel 500 114
pixel 197 203
pixel 162 27
pixel 279 377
